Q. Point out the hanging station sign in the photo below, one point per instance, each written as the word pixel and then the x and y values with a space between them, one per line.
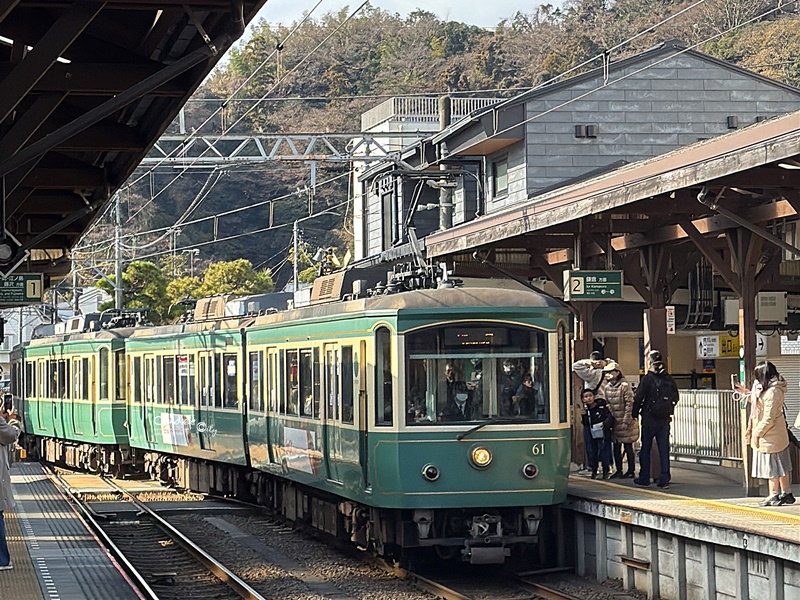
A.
pixel 592 285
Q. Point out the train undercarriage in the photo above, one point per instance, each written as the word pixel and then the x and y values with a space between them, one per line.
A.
pixel 476 536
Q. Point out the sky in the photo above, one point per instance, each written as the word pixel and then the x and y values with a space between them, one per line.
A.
pixel 483 13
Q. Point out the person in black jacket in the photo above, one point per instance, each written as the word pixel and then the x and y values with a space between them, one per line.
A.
pixel 655 400
pixel 597 425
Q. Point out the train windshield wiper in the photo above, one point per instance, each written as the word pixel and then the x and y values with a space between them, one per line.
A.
pixel 492 421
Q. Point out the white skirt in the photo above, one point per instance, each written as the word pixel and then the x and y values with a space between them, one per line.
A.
pixel 771 466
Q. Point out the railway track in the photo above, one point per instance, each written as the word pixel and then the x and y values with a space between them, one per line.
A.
pixel 161 562
pixel 501 588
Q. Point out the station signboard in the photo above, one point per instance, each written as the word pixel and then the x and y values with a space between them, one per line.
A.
pixel 725 346
pixel 592 285
pixel 21 289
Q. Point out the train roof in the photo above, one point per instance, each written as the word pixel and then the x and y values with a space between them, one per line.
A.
pixel 101 335
pixel 427 299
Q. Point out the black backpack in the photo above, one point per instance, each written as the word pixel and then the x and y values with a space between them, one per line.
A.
pixel 661 403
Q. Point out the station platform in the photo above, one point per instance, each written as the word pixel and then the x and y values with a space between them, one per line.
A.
pixel 55 556
pixel 700 539
pixel 700 494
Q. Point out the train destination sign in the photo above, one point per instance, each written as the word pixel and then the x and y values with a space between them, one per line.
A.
pixel 592 285
pixel 20 289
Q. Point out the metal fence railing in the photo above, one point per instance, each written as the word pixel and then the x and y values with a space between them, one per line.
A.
pixel 706 427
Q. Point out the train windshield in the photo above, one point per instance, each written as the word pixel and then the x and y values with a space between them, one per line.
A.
pixel 461 374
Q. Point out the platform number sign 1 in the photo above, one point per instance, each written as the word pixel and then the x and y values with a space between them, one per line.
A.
pixel 20 289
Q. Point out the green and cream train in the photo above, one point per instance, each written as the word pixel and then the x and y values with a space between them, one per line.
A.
pixel 428 420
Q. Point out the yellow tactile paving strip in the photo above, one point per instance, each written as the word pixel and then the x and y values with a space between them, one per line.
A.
pixel 781 523
pixel 20 583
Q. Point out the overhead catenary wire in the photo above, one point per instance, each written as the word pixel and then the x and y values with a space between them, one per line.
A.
pixel 274 86
pixel 595 58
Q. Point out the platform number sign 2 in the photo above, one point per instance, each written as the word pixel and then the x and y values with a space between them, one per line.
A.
pixel 592 285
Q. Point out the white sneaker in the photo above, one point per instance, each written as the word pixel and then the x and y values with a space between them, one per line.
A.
pixel 8 567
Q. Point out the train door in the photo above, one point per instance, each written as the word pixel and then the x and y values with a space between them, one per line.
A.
pixel 363 414
pixel 77 395
pixel 333 433
pixel 134 393
pixel 148 398
pixel 41 366
pixel 205 399
pixel 273 393
pixel 89 389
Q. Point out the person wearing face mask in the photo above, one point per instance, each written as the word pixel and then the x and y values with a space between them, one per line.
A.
pixel 598 422
pixel 510 380
pixel 461 407
pixel 619 397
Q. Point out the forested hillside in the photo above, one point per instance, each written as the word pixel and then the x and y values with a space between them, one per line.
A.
pixel 320 74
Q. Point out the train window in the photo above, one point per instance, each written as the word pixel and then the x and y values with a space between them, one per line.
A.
pixel 332 382
pixel 85 378
pixel 136 384
pixel 383 377
pixel 272 385
pixel 119 375
pixel 216 377
pixel 476 372
pixel 306 384
pixel 347 384
pixel 30 380
pixel 77 380
pixel 204 380
pixel 256 390
pixel 563 344
pixel 62 389
pixel 103 373
pixel 186 378
pixel 317 383
pixel 149 379
pixel 231 379
pixel 288 372
pixel 168 380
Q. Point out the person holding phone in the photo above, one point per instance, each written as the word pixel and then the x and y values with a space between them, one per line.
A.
pixel 768 435
pixel 9 433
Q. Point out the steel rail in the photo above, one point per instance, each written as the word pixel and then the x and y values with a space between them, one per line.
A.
pixel 213 565
pixel 545 591
pixel 88 517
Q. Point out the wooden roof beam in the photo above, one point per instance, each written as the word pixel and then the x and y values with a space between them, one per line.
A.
pixel 774 210
pixel 32 68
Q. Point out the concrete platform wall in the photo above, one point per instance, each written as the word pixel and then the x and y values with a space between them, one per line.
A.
pixel 675 559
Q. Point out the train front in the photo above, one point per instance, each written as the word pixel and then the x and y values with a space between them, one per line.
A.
pixel 482 447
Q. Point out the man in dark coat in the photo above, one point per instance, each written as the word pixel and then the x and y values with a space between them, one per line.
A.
pixel 656 389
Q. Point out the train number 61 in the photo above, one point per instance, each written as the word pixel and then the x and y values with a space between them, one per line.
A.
pixel 538 449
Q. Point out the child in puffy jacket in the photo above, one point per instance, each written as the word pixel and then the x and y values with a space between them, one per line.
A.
pixel 598 423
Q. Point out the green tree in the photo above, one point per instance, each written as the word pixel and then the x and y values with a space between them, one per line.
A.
pixel 143 286
pixel 234 277
pixel 183 288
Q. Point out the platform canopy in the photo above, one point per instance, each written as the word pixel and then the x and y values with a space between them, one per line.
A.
pixel 86 89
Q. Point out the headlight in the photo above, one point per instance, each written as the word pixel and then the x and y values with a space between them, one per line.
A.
pixel 530 471
pixel 430 472
pixel 481 457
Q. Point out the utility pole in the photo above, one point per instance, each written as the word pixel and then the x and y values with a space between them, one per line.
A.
pixel 296 255
pixel 75 292
pixel 117 256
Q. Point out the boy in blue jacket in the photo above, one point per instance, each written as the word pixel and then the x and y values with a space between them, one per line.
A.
pixel 597 425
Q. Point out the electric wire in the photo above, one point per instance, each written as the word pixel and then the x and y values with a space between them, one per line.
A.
pixel 274 86
pixel 649 29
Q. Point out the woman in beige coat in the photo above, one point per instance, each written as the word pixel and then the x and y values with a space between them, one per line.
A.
pixel 767 434
pixel 9 432
pixel 619 396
